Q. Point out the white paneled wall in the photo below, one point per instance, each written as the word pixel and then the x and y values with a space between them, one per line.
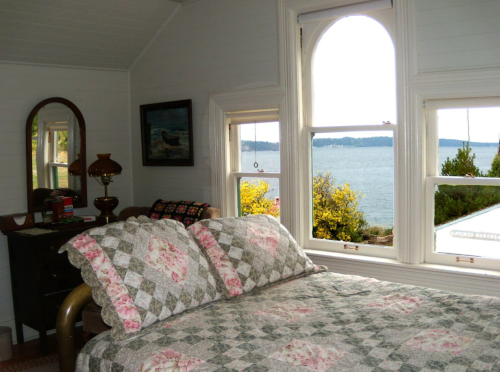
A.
pixel 102 33
pixel 210 46
pixel 458 34
pixel 103 99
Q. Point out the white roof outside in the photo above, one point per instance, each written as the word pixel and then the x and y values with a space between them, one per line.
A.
pixel 477 234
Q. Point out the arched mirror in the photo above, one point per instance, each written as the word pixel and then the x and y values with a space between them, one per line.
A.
pixel 55 153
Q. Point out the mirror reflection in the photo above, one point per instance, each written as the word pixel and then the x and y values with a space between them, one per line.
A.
pixel 55 146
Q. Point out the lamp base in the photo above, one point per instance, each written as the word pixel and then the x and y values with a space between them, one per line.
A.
pixel 106 206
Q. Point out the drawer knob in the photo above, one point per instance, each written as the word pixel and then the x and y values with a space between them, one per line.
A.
pixel 52 248
pixel 54 276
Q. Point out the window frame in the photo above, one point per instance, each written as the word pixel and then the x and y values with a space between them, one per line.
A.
pixel 52 163
pixel 312 34
pixel 234 120
pixel 433 178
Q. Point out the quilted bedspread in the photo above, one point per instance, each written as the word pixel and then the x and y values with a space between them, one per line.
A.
pixel 323 322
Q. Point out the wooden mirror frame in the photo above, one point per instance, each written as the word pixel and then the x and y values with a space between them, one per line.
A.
pixel 29 152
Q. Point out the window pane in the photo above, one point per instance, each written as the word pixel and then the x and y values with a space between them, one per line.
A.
pixel 59 177
pixel 466 220
pixel 62 146
pixel 62 177
pixel 354 75
pixel 353 187
pixel 260 147
pixel 455 129
pixel 258 196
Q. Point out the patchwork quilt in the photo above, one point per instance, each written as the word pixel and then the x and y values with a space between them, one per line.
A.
pixel 323 322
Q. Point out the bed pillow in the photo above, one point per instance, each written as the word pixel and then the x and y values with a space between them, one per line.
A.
pixel 250 252
pixel 142 271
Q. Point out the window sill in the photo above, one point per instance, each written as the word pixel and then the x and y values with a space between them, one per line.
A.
pixel 385 262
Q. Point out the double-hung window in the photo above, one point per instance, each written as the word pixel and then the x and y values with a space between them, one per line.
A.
pixel 462 184
pixel 350 132
pixel 58 155
pixel 254 177
pixel 55 145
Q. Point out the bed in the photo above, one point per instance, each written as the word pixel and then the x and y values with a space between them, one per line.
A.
pixel 323 321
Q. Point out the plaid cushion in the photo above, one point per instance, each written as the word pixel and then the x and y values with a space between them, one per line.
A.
pixel 142 271
pixel 250 252
pixel 186 212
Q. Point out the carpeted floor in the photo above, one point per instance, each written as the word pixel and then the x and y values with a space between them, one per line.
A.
pixel 44 364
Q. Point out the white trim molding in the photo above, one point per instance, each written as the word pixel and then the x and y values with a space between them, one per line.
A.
pixel 448 278
pixel 219 105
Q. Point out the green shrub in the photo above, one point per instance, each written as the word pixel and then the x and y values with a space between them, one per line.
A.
pixel 335 210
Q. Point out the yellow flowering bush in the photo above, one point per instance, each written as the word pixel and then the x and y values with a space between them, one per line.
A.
pixel 254 201
pixel 335 210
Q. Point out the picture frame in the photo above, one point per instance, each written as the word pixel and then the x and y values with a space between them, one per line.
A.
pixel 167 134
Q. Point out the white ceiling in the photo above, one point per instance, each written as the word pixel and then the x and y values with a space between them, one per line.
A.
pixel 88 33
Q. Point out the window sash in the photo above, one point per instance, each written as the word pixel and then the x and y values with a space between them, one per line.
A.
pixel 432 178
pixel 433 257
pixel 54 181
pixel 235 120
pixel 332 245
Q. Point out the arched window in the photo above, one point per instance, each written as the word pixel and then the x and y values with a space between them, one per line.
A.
pixel 351 115
pixel 354 75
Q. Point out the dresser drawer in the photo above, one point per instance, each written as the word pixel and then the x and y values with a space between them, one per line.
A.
pixel 48 250
pixel 59 275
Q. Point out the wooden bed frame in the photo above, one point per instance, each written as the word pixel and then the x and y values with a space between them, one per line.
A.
pixel 65 326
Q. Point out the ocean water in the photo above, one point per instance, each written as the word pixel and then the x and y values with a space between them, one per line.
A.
pixel 369 170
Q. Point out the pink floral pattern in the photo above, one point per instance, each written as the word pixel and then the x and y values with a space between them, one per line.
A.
pixel 219 259
pixel 398 303
pixel 110 280
pixel 167 360
pixel 168 259
pixel 440 341
pixel 178 320
pixel 286 312
pixel 306 354
pixel 264 238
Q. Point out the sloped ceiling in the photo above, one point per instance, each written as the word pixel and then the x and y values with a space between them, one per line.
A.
pixel 86 33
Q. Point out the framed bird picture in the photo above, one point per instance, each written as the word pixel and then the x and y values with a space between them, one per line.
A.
pixel 167 134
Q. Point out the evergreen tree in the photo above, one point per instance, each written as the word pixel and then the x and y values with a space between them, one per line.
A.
pixel 462 164
pixel 452 202
pixel 495 167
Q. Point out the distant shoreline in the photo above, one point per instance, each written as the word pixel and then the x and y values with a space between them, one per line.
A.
pixel 348 142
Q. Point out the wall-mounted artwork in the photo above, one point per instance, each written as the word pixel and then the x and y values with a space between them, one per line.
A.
pixel 167 134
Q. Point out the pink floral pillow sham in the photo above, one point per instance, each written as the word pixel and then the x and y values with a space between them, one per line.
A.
pixel 142 271
pixel 250 252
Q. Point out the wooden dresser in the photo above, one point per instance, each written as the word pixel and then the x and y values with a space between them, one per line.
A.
pixel 41 278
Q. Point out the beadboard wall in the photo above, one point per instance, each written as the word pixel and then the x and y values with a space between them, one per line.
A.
pixel 103 99
pixel 456 35
pixel 209 47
